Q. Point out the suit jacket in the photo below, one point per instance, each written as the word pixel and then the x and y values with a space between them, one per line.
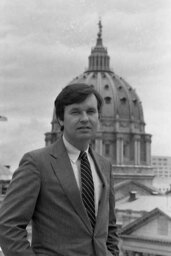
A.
pixel 44 190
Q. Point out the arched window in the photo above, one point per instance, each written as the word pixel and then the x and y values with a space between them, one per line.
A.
pixel 123 99
pixel 107 100
pixel 106 86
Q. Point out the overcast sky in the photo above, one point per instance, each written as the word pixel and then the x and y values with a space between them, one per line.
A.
pixel 44 44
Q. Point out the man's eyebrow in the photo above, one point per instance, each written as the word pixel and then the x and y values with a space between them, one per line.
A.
pixel 74 108
pixel 78 108
pixel 91 107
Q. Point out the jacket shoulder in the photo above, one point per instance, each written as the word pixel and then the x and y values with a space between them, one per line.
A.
pixel 43 150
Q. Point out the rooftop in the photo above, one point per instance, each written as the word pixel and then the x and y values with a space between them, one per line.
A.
pixel 146 203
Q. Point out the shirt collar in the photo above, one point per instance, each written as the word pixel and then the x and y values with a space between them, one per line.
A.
pixel 72 151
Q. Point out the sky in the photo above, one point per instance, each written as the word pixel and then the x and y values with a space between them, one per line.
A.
pixel 45 44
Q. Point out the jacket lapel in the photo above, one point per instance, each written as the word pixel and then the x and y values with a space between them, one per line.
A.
pixel 101 172
pixel 63 170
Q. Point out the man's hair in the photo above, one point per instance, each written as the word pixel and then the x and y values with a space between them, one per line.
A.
pixel 75 93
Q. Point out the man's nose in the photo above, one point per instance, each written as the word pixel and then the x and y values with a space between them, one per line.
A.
pixel 84 117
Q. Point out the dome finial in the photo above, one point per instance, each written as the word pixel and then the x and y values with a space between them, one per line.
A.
pixel 100 28
pixel 99 34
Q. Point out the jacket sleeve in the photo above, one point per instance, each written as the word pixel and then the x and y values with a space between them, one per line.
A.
pixel 113 239
pixel 18 207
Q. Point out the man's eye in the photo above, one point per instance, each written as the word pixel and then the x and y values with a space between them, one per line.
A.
pixel 75 112
pixel 91 111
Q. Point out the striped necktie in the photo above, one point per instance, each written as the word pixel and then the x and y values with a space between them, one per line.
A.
pixel 87 188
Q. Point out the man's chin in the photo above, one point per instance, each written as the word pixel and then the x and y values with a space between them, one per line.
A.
pixel 85 135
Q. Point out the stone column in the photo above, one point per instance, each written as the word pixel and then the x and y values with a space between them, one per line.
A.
pixel 103 63
pixel 119 149
pixel 137 149
pixel 148 149
pixel 99 146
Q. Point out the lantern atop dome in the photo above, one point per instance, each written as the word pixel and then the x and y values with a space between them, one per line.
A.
pixel 99 59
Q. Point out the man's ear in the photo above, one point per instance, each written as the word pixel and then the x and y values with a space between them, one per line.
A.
pixel 61 123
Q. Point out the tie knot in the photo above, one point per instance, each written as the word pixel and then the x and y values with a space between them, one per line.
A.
pixel 83 155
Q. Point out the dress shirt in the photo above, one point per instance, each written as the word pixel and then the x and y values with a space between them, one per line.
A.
pixel 73 154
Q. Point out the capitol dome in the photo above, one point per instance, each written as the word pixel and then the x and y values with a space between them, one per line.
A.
pixel 122 107
pixel 121 133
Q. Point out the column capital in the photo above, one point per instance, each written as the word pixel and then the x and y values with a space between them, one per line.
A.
pixel 148 138
pixel 119 136
pixel 137 137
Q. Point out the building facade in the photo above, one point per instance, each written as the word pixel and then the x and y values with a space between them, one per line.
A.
pixel 162 171
pixel 162 166
pixel 149 235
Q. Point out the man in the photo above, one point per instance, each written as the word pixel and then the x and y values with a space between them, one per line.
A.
pixel 69 216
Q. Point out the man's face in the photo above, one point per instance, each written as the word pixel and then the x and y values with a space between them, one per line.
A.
pixel 80 121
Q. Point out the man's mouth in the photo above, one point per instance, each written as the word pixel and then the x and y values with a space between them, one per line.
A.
pixel 84 128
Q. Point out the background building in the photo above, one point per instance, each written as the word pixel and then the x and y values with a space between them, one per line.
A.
pixel 162 166
pixel 149 235
pixel 5 173
pixel 5 177
pixel 162 171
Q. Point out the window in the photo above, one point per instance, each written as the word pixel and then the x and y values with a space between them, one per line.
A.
pixel 107 149
pixel 107 100
pixel 106 87
pixel 134 101
pixel 123 99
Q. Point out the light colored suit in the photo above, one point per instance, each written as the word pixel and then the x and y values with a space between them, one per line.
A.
pixel 44 190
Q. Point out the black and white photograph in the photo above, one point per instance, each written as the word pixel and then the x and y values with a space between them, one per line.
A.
pixel 85 141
